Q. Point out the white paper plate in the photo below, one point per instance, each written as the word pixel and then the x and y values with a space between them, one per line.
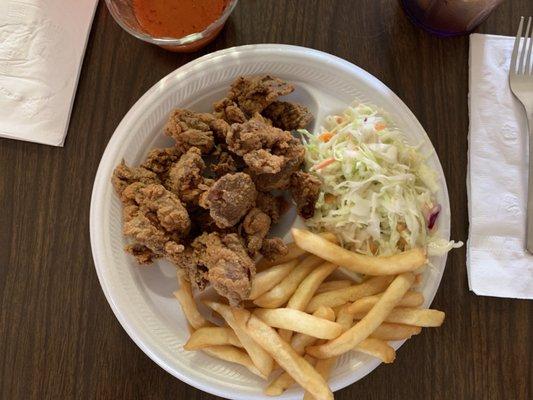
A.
pixel 141 297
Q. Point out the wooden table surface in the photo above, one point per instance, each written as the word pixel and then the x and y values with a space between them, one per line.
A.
pixel 58 336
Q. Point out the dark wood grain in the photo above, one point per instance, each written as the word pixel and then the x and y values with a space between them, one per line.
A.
pixel 58 336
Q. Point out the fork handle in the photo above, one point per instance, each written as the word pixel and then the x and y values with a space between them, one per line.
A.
pixel 529 221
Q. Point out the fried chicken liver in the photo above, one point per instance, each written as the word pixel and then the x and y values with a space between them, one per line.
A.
pixel 288 116
pixel 123 176
pixel 230 269
pixel 191 129
pixel 230 198
pixel 205 203
pixel 305 189
pixel 253 94
pixel 185 176
pixel 255 225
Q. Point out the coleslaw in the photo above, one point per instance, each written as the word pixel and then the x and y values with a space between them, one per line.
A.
pixel 378 193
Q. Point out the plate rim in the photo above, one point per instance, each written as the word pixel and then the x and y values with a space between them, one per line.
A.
pixel 100 182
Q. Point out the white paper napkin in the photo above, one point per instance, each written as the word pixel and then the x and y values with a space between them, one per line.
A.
pixel 42 43
pixel 497 262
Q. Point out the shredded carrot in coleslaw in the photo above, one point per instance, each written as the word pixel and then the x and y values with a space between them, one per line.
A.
pixel 379 196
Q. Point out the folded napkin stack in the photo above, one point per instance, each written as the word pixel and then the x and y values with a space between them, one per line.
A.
pixel 42 43
pixel 497 262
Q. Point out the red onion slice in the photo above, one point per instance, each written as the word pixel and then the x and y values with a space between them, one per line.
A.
pixel 433 215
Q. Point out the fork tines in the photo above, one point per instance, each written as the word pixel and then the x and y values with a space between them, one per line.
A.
pixel 521 58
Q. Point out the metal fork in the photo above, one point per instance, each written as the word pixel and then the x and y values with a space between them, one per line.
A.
pixel 521 82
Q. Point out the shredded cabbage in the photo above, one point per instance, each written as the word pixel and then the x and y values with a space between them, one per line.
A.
pixel 378 193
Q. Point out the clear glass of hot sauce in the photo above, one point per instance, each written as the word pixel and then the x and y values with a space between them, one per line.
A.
pixel 175 25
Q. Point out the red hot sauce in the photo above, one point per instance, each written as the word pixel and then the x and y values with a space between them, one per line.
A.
pixel 177 18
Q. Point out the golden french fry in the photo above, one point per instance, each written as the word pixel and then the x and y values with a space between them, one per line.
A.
pixel 266 280
pixel 390 331
pixel 344 317
pixel 281 293
pixel 232 354
pixel 409 260
pixel 323 367
pixel 380 349
pixel 299 321
pixel 212 336
pixel 339 297
pixel 294 252
pixel 306 290
pixel 279 385
pixel 364 328
pixel 412 316
pixel 377 348
pixel 261 359
pixel 326 313
pixel 188 305
pixel 333 285
pixel 336 309
pixel 329 236
pixel 301 371
pixel 284 381
pixel 285 334
pixel 363 305
pixel 309 285
pixel 300 341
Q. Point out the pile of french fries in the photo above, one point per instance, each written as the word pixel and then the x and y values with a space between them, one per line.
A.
pixel 298 320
